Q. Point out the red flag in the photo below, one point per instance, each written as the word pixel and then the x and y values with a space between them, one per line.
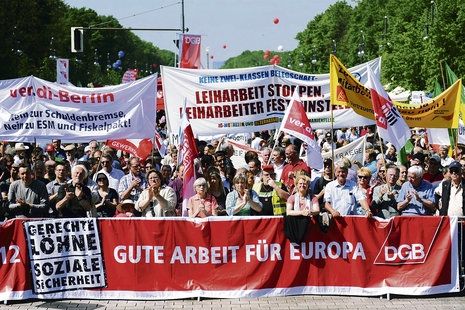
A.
pixel 391 125
pixel 189 51
pixel 140 148
pixel 160 145
pixel 187 155
pixel 242 146
pixel 295 122
pixel 130 76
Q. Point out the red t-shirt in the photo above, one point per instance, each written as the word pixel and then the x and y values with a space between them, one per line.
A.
pixel 292 168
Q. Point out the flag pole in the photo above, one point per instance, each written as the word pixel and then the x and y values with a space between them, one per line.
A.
pixel 384 161
pixel 274 146
pixel 455 137
pixel 332 141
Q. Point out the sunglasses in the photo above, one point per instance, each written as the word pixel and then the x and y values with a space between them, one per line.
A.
pixel 363 177
pixel 105 162
pixel 455 170
pixel 101 179
pixel 382 171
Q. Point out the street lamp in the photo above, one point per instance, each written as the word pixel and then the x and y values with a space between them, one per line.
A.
pixel 301 64
pixel 361 51
pixel 314 61
pixel 289 64
pixel 384 35
pixel 208 58
pixel 334 51
pixel 96 58
pixel 52 50
pixel 433 7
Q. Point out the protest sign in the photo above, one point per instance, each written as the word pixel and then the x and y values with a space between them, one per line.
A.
pixel 235 257
pixel 353 151
pixel 64 254
pixel 252 99
pixel 441 112
pixel 33 108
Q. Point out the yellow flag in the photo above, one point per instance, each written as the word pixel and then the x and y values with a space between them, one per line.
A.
pixel 442 112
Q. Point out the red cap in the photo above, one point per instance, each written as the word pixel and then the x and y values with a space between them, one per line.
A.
pixel 267 168
pixel 50 148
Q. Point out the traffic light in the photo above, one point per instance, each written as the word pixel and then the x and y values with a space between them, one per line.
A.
pixel 77 40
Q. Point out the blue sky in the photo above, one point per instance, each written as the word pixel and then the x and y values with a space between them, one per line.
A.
pixel 239 24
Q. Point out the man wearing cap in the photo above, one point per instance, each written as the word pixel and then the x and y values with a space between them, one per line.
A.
pixel 294 164
pixel 416 197
pixel 50 153
pixel 20 150
pixel 417 159
pixel 433 174
pixel 272 194
pixel 443 154
pixel 74 199
pixel 27 197
pixel 70 151
pixel 450 193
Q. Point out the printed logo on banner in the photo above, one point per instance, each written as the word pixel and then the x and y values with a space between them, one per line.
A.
pixel 406 247
pixel 65 254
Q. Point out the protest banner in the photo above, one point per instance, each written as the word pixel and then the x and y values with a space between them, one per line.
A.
pixel 64 254
pixel 229 101
pixel 33 108
pixel 233 257
pixel 189 51
pixel 353 151
pixel 441 112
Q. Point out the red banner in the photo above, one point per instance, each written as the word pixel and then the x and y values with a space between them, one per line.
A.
pixel 233 257
pixel 189 51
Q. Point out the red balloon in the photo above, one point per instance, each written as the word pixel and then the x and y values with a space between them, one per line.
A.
pixel 275 56
pixel 224 46
pixel 276 20
pixel 267 52
pixel 277 61
pixel 211 57
pixel 272 61
pixel 265 57
pixel 154 65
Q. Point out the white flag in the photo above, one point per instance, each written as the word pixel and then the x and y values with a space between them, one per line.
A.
pixel 391 125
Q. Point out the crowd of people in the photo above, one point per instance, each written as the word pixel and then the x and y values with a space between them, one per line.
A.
pixel 94 180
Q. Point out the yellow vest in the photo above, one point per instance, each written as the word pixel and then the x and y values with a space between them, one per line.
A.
pixel 279 204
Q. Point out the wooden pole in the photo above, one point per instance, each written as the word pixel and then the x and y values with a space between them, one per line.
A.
pixel 455 137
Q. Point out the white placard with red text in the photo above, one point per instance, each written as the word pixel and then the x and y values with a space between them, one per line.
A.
pixel 34 108
pixel 252 99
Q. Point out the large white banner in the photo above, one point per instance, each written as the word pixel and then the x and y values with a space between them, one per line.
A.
pixel 252 99
pixel 34 108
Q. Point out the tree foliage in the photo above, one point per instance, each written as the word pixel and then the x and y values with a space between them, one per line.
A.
pixel 410 58
pixel 27 28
